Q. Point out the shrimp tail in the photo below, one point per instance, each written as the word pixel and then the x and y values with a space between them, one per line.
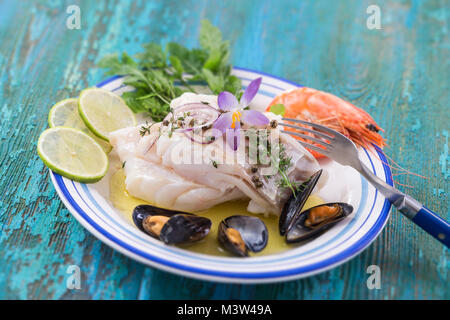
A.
pixel 324 108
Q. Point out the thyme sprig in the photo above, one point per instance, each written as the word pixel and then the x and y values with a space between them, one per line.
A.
pixel 282 162
pixel 144 129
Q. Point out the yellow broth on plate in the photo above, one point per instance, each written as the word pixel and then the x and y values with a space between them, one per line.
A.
pixel 125 203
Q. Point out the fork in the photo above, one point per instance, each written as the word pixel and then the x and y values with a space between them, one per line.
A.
pixel 338 147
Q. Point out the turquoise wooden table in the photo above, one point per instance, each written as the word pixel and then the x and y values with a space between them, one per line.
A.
pixel 399 73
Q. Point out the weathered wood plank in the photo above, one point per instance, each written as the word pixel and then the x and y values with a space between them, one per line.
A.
pixel 399 74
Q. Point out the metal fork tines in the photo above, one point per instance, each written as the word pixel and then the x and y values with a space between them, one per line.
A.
pixel 326 137
pixel 341 149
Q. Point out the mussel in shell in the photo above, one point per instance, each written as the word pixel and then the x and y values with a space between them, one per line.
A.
pixel 316 220
pixel 298 224
pixel 171 227
pixel 241 234
pixel 296 202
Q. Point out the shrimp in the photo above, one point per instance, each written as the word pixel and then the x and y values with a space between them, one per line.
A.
pixel 324 108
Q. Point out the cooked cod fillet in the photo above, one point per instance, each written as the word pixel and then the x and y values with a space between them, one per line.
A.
pixel 175 173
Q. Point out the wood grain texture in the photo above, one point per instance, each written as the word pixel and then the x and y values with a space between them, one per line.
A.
pixel 399 74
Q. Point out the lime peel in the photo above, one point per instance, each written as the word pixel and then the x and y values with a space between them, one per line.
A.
pixel 65 113
pixel 72 154
pixel 103 112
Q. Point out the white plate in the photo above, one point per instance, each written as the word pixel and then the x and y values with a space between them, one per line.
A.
pixel 89 204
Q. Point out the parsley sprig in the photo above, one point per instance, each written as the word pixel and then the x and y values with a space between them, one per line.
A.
pixel 155 72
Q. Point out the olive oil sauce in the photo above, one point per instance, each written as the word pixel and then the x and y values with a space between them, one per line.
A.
pixel 125 203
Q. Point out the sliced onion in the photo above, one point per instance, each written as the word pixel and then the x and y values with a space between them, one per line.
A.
pixel 199 112
pixel 195 105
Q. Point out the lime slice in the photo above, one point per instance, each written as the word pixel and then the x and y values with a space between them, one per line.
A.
pixel 103 112
pixel 72 154
pixel 65 114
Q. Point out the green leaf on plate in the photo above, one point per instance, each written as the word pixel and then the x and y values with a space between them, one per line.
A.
pixel 278 109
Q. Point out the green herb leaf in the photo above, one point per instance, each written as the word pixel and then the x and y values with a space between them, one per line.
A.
pixel 215 82
pixel 233 84
pixel 191 60
pixel 176 64
pixel 154 72
pixel 210 36
pixel 153 56
pixel 278 109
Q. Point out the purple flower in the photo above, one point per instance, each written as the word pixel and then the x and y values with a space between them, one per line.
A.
pixel 229 121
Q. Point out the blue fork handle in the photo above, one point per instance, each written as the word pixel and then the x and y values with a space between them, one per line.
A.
pixel 433 224
pixel 410 207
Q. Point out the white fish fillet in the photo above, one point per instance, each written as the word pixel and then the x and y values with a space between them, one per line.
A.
pixel 156 171
pixel 148 179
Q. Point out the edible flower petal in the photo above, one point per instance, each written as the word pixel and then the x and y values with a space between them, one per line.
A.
pixel 234 136
pixel 227 101
pixel 250 92
pixel 223 122
pixel 254 118
pixel 229 122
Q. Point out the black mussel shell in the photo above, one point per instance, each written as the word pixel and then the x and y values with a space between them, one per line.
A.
pixel 252 230
pixel 183 228
pixel 142 211
pixel 300 232
pixel 295 203
pixel 235 246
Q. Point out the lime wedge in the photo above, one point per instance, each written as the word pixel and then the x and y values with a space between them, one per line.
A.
pixel 65 114
pixel 72 154
pixel 103 112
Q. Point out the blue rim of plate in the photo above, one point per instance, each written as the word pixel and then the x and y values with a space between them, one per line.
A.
pixel 198 272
